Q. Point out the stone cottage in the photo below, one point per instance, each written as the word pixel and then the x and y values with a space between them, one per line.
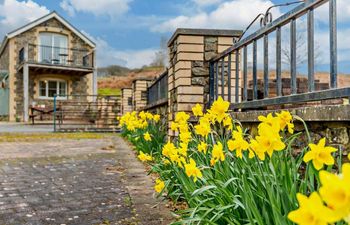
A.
pixel 44 58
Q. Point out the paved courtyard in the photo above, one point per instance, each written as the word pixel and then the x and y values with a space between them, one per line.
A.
pixel 75 182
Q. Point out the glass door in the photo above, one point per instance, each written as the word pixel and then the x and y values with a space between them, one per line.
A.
pixel 53 48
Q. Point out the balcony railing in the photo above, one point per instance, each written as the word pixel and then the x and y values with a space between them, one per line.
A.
pixel 51 55
pixel 158 91
pixel 258 94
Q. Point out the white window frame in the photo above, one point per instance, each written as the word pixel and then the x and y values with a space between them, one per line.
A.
pixel 57 89
pixel 52 34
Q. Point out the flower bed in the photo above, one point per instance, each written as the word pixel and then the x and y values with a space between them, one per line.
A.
pixel 228 176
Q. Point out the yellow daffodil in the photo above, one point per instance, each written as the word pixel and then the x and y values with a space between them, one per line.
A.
pixel 256 149
pixel 192 170
pixel 202 147
pixel 165 161
pixel 147 136
pixel 159 185
pixel 144 157
pixel 269 140
pixel 217 154
pixel 227 122
pixel 143 115
pixel 169 149
pixel 185 137
pixel 286 121
pixel 197 110
pixel 219 109
pixel 335 191
pixel 174 126
pixel 203 127
pixel 311 211
pixel 182 117
pixel 183 149
pixel 156 118
pixel 273 122
pixel 320 154
pixel 238 143
pixel 180 161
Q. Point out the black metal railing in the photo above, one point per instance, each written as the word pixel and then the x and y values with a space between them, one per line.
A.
pixel 51 55
pixel 157 92
pixel 258 96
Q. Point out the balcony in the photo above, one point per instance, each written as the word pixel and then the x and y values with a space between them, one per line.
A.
pixel 56 58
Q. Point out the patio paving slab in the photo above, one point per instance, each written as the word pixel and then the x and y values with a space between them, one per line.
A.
pixel 75 182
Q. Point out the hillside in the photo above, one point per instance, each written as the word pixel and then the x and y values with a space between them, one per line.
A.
pixel 115 82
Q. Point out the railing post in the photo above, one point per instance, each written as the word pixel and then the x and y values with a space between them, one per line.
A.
pixel 211 83
pixel 223 78
pixel 237 78
pixel 216 80
pixel 266 66
pixel 293 56
pixel 255 71
pixel 54 112
pixel 310 47
pixel 245 73
pixel 229 86
pixel 333 42
pixel 278 62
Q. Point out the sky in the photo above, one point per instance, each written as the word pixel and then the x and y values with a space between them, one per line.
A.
pixel 128 32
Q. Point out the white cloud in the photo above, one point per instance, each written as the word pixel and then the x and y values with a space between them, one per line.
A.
pixel 17 13
pixel 112 8
pixel 343 12
pixel 235 14
pixel 107 55
pixel 203 3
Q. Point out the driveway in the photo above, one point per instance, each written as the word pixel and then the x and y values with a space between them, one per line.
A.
pixel 82 181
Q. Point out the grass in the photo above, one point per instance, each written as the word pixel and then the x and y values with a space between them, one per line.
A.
pixel 15 137
pixel 109 91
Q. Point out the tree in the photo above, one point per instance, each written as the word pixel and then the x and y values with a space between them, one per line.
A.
pixel 161 56
pixel 301 50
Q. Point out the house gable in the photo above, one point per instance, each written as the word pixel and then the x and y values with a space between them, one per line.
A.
pixel 60 22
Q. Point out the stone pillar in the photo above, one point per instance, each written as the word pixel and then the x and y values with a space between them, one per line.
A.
pixel 25 92
pixel 188 78
pixel 126 99
pixel 139 93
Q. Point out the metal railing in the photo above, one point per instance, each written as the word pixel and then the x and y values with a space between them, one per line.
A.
pixel 220 66
pixel 51 55
pixel 157 92
pixel 93 113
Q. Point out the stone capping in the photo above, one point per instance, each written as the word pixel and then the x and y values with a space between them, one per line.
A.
pixel 204 32
pixel 334 113
pixel 142 79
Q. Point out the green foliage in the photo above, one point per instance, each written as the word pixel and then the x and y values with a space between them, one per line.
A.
pixel 109 91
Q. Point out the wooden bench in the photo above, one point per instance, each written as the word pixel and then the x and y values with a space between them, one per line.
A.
pixel 32 118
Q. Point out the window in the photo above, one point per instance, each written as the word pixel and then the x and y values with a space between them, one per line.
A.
pixel 53 48
pixel 129 100
pixel 143 95
pixel 49 88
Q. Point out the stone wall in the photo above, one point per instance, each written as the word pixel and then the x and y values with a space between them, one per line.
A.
pixel 332 122
pixel 5 59
pixel 188 75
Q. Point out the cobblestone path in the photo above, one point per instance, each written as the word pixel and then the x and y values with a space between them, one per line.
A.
pixel 66 182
